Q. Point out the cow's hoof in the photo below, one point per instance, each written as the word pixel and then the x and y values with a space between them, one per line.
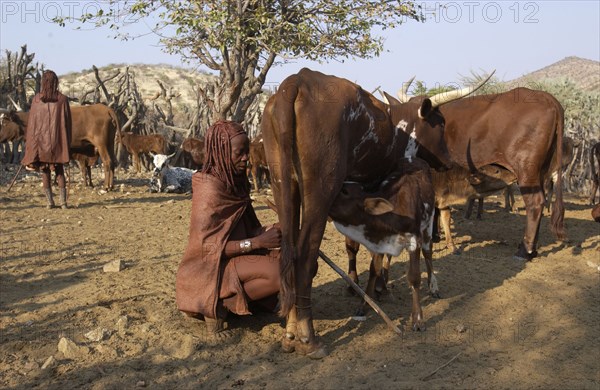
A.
pixel 315 350
pixel 419 327
pixel 349 292
pixel 436 294
pixel 523 255
pixel 288 343
pixel 456 251
pixel 360 312
pixel 380 288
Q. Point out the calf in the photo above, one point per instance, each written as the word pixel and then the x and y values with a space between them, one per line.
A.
pixel 458 185
pixel 258 164
pixel 194 149
pixel 137 144
pixel 595 163
pixel 85 163
pixel 397 216
pixel 12 129
pixel 170 179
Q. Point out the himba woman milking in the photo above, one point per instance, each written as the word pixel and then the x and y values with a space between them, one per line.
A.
pixel 230 264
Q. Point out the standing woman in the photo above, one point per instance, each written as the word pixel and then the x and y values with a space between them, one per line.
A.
pixel 48 136
pixel 230 258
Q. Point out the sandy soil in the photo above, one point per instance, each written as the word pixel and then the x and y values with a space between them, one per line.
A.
pixel 499 324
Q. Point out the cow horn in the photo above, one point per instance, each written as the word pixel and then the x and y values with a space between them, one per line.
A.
pixel 385 100
pixel 446 97
pixel 403 93
pixel 171 155
pixel 389 99
pixel 17 107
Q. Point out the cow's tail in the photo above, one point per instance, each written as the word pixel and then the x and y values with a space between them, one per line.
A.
pixel 558 208
pixel 115 122
pixel 288 207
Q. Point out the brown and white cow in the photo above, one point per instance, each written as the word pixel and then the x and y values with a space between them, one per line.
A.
pixel 520 130
pixel 595 163
pixel 451 187
pixel 137 144
pixel 398 216
pixel 320 131
pixel 94 125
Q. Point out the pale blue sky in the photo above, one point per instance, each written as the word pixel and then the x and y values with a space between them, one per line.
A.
pixel 513 37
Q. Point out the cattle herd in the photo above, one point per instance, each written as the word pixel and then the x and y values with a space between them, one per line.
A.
pixel 383 170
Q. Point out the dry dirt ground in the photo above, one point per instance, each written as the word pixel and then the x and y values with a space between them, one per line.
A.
pixel 500 323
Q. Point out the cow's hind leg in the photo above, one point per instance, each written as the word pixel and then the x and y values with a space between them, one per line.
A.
pixel 414 280
pixel 108 164
pixel 432 283
pixel 534 200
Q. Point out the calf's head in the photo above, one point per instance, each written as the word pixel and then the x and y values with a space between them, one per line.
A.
pixel 161 162
pixel 372 220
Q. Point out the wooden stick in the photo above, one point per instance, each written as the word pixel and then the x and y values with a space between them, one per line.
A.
pixel 442 366
pixel 360 292
pixel 15 178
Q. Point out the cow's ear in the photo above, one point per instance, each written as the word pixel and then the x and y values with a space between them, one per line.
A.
pixel 425 109
pixel 378 206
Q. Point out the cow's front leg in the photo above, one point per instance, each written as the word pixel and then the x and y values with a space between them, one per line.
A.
pixel 414 280
pixel 384 277
pixel 374 274
pixel 352 248
pixel 445 218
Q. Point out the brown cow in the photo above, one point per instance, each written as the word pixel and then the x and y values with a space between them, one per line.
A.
pixel 520 130
pixel 258 164
pixel 596 212
pixel 399 215
pixel 137 144
pixel 595 163
pixel 12 129
pixel 194 148
pixel 318 132
pixel 94 125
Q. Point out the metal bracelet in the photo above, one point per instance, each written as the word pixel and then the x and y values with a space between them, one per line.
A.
pixel 245 246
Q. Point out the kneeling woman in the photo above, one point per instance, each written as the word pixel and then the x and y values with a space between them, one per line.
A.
pixel 230 258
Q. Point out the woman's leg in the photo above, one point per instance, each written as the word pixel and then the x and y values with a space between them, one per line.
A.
pixel 59 171
pixel 259 275
pixel 47 186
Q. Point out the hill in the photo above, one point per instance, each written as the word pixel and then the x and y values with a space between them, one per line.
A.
pixel 180 79
pixel 584 73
